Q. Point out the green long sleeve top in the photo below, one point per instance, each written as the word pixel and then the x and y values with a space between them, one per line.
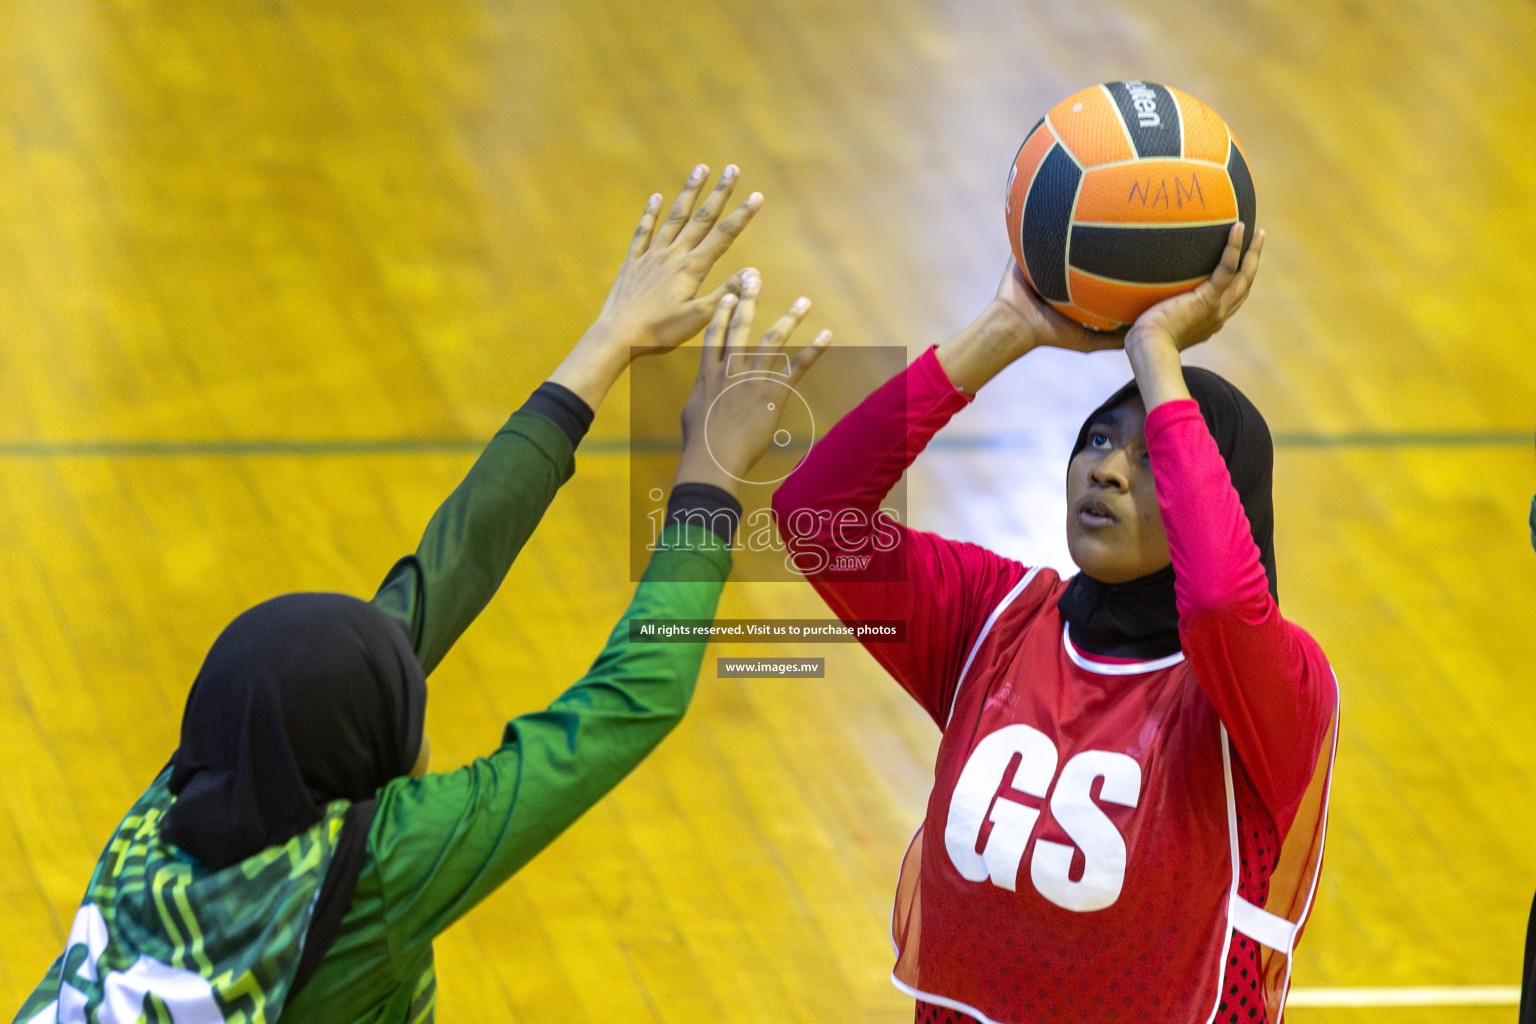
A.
pixel 441 843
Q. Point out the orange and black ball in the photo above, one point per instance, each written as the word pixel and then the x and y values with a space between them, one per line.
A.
pixel 1122 196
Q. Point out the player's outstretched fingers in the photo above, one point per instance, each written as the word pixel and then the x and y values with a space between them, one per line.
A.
pixel 725 231
pixel 802 360
pixel 646 229
pixel 732 286
pixel 715 333
pixel 1249 270
pixel 741 325
pixel 1232 281
pixel 704 217
pixel 682 207
pixel 1214 288
pixel 1252 259
pixel 784 326
pixel 1213 294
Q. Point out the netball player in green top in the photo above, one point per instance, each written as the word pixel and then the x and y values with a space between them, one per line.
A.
pixel 294 860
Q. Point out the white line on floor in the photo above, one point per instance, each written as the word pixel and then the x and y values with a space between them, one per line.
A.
pixel 1445 995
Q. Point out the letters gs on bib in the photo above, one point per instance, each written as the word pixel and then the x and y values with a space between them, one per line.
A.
pixel 983 796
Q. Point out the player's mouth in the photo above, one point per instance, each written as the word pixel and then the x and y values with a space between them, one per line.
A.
pixel 1093 513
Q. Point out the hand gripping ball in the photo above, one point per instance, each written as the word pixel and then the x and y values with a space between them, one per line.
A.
pixel 1122 196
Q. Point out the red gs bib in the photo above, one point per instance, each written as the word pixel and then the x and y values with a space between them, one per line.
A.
pixel 1079 858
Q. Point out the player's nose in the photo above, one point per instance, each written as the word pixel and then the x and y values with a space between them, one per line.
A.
pixel 1112 471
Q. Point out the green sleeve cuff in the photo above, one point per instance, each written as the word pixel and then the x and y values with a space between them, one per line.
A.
pixel 689 552
pixel 545 435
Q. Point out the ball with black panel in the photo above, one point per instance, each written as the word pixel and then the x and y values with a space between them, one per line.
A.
pixel 1123 195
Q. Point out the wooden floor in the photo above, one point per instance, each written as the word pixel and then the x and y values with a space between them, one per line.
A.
pixel 228 228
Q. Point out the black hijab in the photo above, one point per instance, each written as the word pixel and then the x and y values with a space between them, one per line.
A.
pixel 1140 618
pixel 302 700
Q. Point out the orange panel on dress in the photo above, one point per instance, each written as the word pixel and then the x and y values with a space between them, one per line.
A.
pixel 1122 303
pixel 1205 133
pixel 1088 122
pixel 1155 192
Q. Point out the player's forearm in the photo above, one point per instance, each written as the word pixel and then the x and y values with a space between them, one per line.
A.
pixel 832 497
pixel 983 349
pixel 595 363
pixel 1264 675
pixel 473 538
pixel 595 733
pixel 471 829
pixel 655 680
pixel 634 693
pixel 697 468
pixel 1215 561
pixel 1158 368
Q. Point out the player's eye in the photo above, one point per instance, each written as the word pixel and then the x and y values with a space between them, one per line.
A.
pixel 1098 439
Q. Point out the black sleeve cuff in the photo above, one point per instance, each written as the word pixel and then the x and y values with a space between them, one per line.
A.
pixel 561 404
pixel 707 506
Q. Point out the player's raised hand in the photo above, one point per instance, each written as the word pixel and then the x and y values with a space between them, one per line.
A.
pixel 655 302
pixel 1161 333
pixel 1013 324
pixel 1034 323
pixel 1194 316
pixel 742 416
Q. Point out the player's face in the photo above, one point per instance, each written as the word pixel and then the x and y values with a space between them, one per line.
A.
pixel 1114 528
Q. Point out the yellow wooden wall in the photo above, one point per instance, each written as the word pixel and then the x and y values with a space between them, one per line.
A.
pixel 226 228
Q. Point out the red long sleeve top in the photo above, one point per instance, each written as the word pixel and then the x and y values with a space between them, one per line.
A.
pixel 1265 679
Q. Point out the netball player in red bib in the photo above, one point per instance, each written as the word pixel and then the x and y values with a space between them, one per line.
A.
pixel 1130 791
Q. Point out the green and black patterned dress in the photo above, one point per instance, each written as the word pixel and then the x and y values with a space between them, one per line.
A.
pixel 161 939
